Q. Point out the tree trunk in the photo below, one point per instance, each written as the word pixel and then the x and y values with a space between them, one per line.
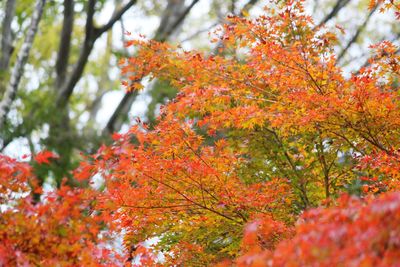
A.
pixel 18 70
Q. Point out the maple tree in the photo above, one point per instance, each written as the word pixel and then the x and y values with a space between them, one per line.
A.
pixel 275 108
pixel 268 156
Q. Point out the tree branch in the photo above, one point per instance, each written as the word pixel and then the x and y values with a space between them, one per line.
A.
pixel 116 16
pixel 161 34
pixel 357 34
pixel 247 7
pixel 338 6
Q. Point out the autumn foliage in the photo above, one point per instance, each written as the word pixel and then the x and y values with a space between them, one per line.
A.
pixel 63 229
pixel 268 156
pixel 353 233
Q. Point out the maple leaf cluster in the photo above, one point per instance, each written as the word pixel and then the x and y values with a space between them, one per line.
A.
pixel 268 156
pixel 355 232
pixel 63 229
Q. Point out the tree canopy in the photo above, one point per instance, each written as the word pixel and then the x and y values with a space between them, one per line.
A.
pixel 268 155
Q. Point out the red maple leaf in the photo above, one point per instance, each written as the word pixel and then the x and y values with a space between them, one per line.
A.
pixel 44 156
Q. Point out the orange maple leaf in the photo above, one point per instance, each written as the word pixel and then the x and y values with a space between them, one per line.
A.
pixel 44 156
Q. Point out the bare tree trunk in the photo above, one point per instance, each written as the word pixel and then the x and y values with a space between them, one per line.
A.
pixel 61 135
pixel 92 34
pixel 22 58
pixel 170 15
pixel 65 43
pixel 79 67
